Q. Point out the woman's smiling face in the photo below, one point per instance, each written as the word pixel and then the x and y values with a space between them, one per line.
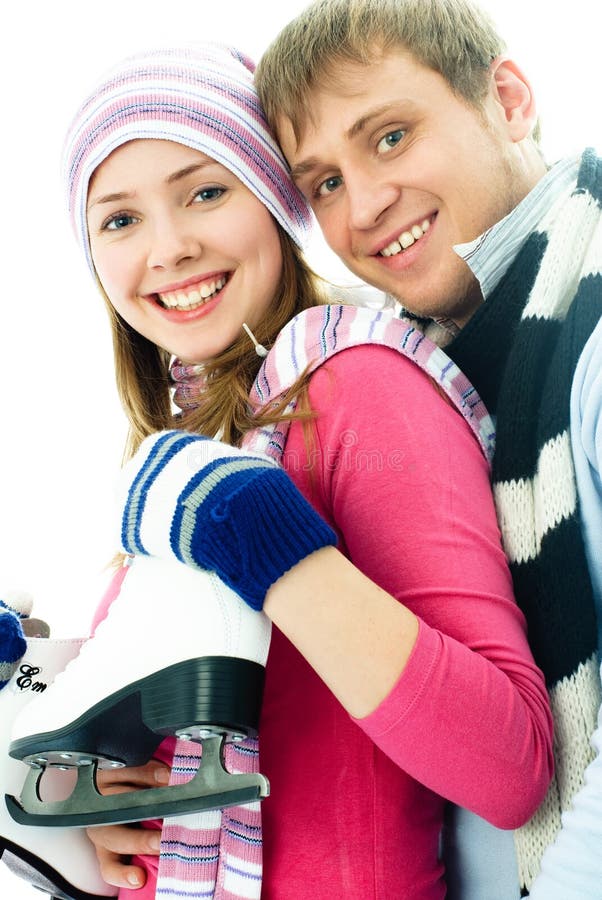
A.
pixel 184 251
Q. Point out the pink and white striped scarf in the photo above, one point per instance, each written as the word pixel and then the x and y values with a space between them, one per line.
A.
pixel 317 334
pixel 219 854
pixel 215 854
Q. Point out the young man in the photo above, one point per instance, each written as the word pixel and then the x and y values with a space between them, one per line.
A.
pixel 412 135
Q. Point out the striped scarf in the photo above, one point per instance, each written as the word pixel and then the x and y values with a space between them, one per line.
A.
pixel 215 855
pixel 218 854
pixel 317 334
pixel 529 335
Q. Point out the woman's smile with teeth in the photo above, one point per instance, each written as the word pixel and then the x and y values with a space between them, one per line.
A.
pixel 406 239
pixel 195 296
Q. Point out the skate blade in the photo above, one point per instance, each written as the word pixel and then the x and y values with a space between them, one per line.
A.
pixel 212 787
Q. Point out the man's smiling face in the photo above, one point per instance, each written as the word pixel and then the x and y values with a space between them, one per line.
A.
pixel 398 169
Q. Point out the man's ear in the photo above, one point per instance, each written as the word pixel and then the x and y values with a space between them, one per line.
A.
pixel 513 92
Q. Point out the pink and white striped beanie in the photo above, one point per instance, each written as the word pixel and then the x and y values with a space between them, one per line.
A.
pixel 201 96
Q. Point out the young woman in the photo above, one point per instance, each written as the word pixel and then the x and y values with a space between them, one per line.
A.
pixel 399 674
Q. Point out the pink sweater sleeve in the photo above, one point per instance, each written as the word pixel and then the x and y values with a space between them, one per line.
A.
pixel 401 478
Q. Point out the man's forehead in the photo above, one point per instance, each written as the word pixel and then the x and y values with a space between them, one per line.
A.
pixel 320 138
pixel 350 93
pixel 287 136
pixel 341 79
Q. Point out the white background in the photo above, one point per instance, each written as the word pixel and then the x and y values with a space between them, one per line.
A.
pixel 63 429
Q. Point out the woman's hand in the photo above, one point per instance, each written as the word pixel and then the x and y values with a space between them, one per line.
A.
pixel 116 843
pixel 218 508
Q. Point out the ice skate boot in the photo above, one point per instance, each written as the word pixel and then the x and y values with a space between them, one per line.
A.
pixel 62 862
pixel 178 654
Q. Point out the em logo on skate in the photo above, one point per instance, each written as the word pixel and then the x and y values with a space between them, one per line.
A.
pixel 25 680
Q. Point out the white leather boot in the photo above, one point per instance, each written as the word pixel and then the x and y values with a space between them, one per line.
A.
pixel 61 862
pixel 178 654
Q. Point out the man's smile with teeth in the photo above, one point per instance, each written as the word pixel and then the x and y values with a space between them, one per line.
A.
pixel 406 239
pixel 193 297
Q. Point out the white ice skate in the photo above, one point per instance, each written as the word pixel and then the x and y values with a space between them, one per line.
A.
pixel 62 862
pixel 178 654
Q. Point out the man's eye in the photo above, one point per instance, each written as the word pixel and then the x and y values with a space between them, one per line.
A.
pixel 329 185
pixel 390 141
pixel 118 222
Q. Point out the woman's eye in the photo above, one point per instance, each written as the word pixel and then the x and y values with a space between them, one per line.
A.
pixel 390 141
pixel 329 185
pixel 118 222
pixel 205 195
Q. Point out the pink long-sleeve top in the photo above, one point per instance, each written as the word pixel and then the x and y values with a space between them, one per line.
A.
pixel 356 806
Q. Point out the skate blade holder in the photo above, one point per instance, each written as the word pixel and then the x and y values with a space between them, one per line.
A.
pixel 211 787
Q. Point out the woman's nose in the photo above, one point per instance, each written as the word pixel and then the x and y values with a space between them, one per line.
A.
pixel 172 244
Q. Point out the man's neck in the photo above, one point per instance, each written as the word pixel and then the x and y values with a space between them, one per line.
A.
pixel 490 255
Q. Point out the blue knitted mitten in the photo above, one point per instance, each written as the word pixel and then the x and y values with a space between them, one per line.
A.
pixel 217 507
pixel 14 607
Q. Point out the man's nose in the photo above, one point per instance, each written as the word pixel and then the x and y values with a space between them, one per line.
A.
pixel 368 198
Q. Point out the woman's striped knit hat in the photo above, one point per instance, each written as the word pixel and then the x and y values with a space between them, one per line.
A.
pixel 201 96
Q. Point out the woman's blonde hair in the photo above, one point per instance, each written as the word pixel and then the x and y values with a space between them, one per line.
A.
pixel 142 368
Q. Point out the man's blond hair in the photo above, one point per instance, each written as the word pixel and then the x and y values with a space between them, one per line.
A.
pixel 452 37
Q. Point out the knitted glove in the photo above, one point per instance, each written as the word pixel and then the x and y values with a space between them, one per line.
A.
pixel 217 507
pixel 14 606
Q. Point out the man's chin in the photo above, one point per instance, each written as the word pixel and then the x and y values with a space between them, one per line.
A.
pixel 440 306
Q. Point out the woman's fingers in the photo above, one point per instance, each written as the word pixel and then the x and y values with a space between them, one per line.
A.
pixel 132 778
pixel 115 844
pixel 125 840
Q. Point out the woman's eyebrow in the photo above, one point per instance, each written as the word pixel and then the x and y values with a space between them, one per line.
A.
pixel 189 170
pixel 118 196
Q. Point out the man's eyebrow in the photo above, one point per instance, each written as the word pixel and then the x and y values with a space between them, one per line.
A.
pixel 171 179
pixel 305 166
pixel 361 123
pixel 312 162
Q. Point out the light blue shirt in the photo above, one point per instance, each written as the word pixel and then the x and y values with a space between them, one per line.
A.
pixel 572 867
pixel 586 443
